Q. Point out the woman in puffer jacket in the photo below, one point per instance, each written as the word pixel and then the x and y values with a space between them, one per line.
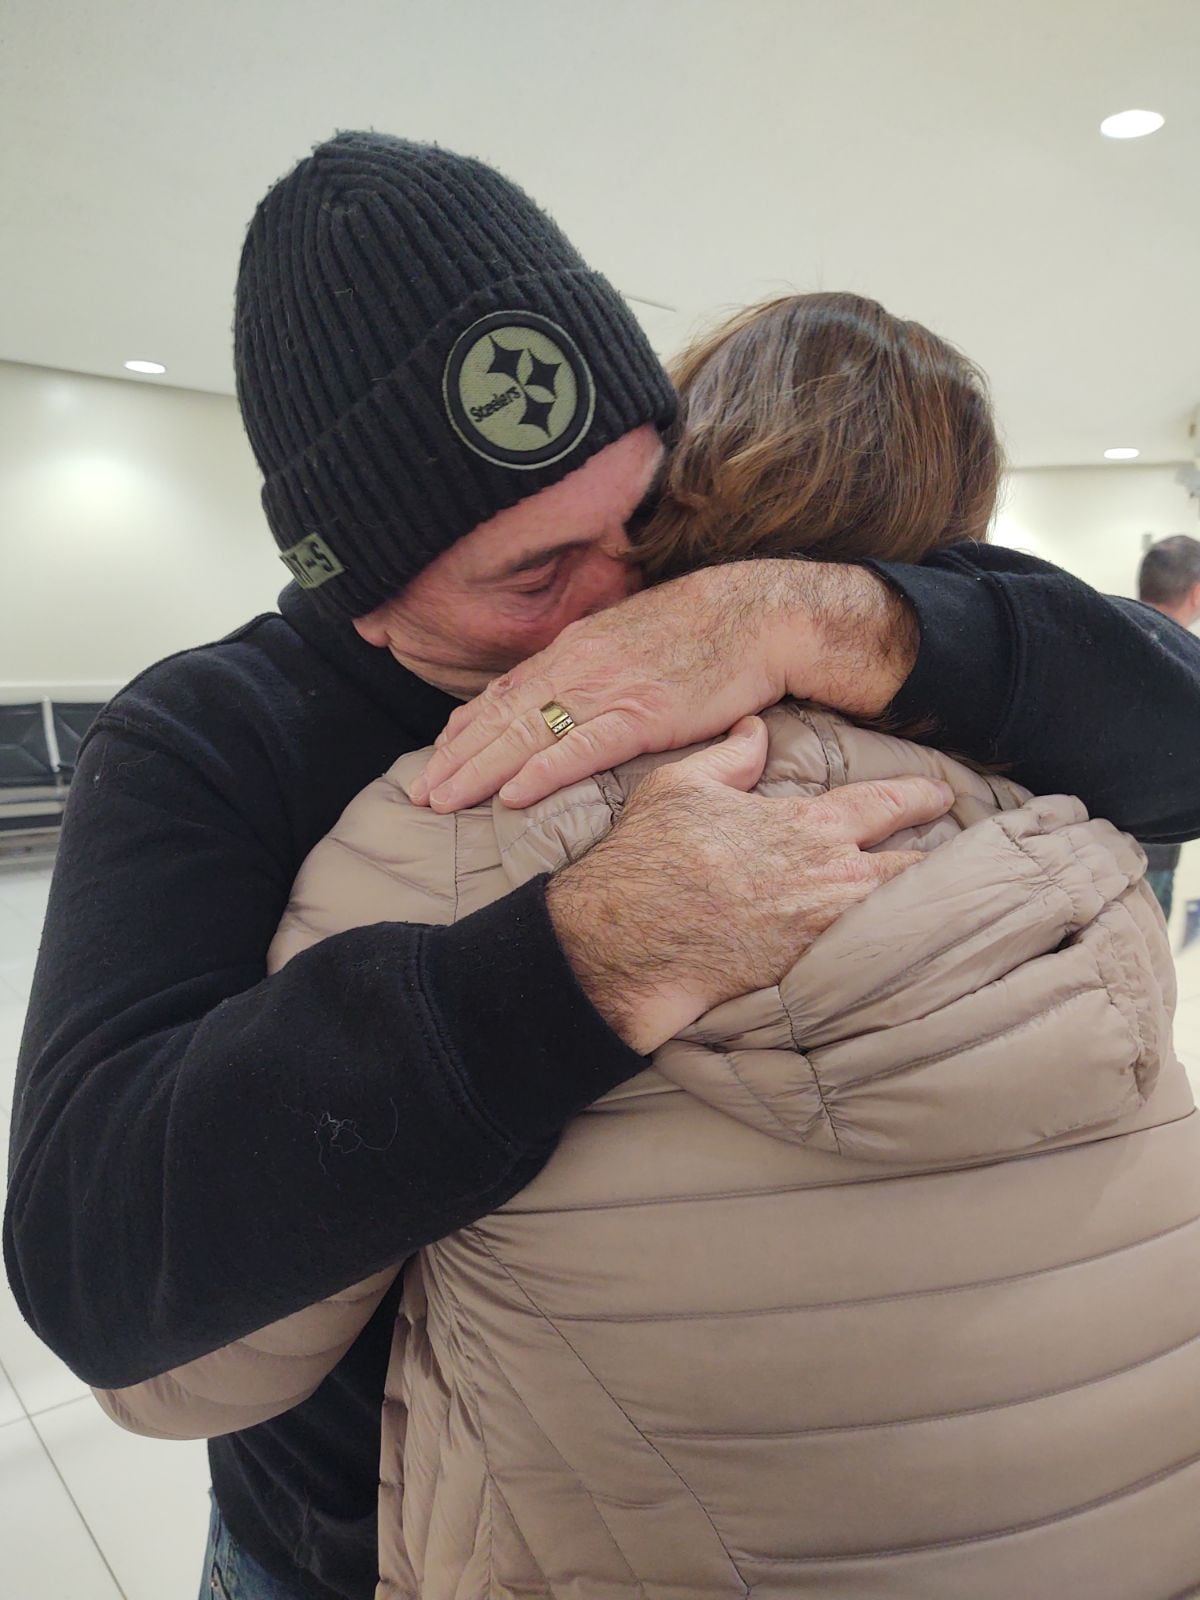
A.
pixel 884 1282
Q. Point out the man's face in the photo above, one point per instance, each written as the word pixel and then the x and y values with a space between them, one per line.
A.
pixel 511 586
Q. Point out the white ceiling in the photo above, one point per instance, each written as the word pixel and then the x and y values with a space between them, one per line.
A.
pixel 941 155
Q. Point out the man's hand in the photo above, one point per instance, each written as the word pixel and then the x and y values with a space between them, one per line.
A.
pixel 703 892
pixel 674 665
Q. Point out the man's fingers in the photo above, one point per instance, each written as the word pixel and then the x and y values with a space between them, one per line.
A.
pixel 877 870
pixel 492 717
pixel 866 814
pixel 460 718
pixel 608 740
pixel 843 896
pixel 470 778
pixel 737 761
pixel 590 747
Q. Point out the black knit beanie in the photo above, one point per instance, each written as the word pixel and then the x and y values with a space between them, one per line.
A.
pixel 418 347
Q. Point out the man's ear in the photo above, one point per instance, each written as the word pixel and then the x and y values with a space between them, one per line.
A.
pixel 374 626
pixel 1194 601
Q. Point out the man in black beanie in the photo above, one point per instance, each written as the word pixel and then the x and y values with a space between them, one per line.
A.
pixel 419 347
pixel 455 419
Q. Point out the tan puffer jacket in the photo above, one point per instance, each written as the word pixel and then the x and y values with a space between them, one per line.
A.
pixel 883 1283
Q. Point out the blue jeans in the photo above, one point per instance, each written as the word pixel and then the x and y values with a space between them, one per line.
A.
pixel 231 1574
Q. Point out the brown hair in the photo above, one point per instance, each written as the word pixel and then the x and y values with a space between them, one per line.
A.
pixel 821 425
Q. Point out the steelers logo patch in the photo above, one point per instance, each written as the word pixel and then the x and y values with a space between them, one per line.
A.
pixel 518 390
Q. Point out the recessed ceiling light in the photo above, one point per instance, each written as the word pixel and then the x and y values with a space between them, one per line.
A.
pixel 1123 452
pixel 145 366
pixel 1131 124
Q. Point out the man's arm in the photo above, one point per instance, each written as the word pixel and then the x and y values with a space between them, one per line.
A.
pixel 253 1379
pixel 197 1149
pixel 992 654
pixel 1073 691
pixel 674 665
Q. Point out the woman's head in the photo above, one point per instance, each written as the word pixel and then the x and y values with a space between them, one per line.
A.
pixel 821 425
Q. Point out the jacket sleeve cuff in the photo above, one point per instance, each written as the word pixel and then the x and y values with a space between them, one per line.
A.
pixel 966 664
pixel 532 1049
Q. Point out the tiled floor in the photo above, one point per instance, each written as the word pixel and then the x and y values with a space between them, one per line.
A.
pixel 88 1512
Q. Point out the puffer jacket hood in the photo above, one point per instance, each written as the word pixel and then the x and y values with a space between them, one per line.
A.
pixel 884 1281
pixel 891 1039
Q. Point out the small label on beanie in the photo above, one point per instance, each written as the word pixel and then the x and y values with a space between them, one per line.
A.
pixel 518 391
pixel 311 562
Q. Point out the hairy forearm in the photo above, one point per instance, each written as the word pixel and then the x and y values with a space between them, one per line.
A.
pixel 582 911
pixel 837 635
pixel 624 952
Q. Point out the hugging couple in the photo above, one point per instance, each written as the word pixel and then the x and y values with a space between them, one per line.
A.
pixel 746 1153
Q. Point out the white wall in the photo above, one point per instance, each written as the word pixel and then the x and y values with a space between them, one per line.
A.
pixel 1091 520
pixel 130 526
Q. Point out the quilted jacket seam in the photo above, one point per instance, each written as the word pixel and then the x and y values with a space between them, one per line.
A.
pixel 937 1291
pixel 674 1472
pixel 545 817
pixel 1127 1491
pixel 476 1406
pixel 1009 1030
pixel 520 1400
pixel 730 1056
pixel 841 1429
pixel 816 1078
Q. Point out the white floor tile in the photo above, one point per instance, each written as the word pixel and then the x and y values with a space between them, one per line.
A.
pixel 25 890
pixel 8 1071
pixel 11 1409
pixel 47 1551
pixel 16 978
pixel 18 934
pixel 39 1377
pixel 8 1075
pixel 145 1500
pixel 12 1020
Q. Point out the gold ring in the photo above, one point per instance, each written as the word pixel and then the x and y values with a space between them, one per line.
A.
pixel 558 719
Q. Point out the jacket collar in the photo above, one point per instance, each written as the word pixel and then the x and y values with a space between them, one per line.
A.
pixel 423 709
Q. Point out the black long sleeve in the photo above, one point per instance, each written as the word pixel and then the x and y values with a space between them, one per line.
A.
pixel 1071 691
pixel 198 1149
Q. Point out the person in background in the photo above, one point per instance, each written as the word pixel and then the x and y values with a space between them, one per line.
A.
pixel 1169 581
